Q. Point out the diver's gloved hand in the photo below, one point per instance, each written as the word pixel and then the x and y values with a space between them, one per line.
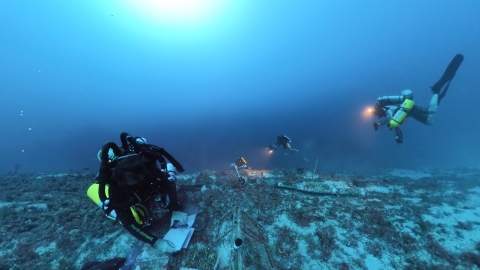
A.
pixel 164 246
pixel 106 203
pixel 178 218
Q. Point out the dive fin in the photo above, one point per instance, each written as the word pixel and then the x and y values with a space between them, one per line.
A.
pixel 110 264
pixel 448 74
pixel 293 151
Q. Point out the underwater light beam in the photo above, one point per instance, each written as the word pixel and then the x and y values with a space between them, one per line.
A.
pixel 367 113
pixel 176 12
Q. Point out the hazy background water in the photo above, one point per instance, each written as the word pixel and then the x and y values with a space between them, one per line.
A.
pixel 224 78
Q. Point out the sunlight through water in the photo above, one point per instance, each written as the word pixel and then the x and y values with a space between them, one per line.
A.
pixel 177 13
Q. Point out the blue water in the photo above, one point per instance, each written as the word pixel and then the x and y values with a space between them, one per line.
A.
pixel 209 86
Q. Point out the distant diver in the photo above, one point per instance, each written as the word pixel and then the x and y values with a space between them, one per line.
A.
pixel 283 140
pixel 240 163
pixel 393 110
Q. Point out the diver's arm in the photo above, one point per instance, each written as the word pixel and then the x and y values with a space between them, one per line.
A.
pixel 382 122
pixel 389 112
pixel 388 115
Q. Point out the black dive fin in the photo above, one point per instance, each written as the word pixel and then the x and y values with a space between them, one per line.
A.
pixel 448 74
pixel 111 264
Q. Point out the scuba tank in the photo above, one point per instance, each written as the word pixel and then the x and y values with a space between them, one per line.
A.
pixel 401 113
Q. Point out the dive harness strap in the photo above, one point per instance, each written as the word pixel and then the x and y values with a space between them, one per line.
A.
pixel 106 168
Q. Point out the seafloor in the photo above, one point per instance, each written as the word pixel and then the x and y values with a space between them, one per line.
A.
pixel 390 219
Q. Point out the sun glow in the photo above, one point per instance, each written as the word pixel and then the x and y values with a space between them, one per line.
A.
pixel 176 12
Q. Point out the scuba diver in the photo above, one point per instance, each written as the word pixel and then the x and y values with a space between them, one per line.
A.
pixel 128 182
pixel 240 163
pixel 283 140
pixel 393 110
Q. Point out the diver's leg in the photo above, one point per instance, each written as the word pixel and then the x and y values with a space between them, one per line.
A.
pixel 432 109
pixel 127 219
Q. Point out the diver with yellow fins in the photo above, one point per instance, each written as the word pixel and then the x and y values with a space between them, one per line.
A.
pixel 283 140
pixel 392 111
pixel 130 181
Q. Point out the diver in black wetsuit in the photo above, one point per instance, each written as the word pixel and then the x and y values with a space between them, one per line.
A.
pixel 134 180
pixel 393 110
pixel 283 140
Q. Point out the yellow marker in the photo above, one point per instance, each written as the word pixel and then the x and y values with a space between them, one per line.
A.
pixel 244 161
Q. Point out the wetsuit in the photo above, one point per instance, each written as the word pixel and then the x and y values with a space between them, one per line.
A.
pixel 147 180
pixel 124 214
pixel 284 141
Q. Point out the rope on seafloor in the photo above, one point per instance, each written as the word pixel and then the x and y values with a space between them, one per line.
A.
pixel 332 192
